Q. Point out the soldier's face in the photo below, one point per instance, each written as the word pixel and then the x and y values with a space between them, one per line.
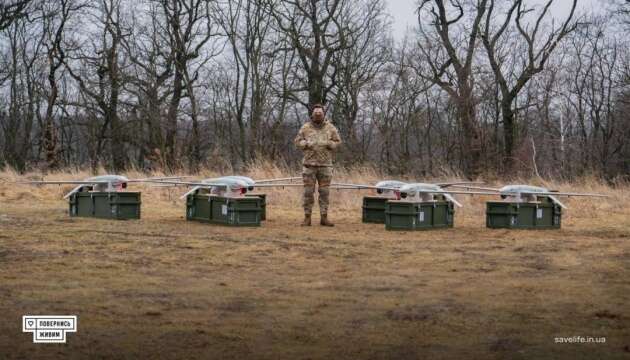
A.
pixel 318 115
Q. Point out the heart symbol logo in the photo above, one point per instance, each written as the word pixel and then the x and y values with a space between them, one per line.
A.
pixel 31 322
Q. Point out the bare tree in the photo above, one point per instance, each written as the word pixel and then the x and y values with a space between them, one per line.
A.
pixel 317 29
pixel 450 66
pixel 189 28
pixel 25 46
pixel 622 7
pixel 101 81
pixel 137 83
pixel 357 67
pixel 147 48
pixel 55 17
pixel 11 10
pixel 246 25
pixel 512 80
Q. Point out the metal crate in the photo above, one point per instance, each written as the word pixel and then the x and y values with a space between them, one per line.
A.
pixel 263 205
pixel 374 209
pixel 404 215
pixel 245 211
pixel 105 205
pixel 509 215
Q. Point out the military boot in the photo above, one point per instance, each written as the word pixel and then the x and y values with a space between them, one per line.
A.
pixel 324 221
pixel 307 220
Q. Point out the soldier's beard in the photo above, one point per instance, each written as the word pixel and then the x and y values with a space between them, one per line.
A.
pixel 318 119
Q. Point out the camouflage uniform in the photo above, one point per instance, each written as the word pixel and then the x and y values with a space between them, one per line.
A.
pixel 318 143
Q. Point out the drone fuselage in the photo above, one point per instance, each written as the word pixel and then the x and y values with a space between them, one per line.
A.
pixel 113 183
pixel 384 188
pixel 527 194
pixel 418 192
pixel 521 193
pixel 421 192
pixel 230 186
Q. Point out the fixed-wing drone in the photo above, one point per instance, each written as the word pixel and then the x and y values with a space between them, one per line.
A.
pixel 386 189
pixel 228 186
pixel 528 193
pixel 415 192
pixel 105 183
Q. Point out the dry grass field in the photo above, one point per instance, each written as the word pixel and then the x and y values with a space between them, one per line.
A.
pixel 162 287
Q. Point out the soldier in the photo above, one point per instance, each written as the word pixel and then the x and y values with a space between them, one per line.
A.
pixel 318 139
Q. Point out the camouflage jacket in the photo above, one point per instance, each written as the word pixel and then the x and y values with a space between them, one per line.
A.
pixel 318 143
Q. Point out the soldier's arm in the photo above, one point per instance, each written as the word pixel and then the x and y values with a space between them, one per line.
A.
pixel 300 141
pixel 335 140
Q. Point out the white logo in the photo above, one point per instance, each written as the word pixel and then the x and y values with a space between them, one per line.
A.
pixel 49 328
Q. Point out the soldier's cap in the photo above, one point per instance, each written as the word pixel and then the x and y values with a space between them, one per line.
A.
pixel 317 106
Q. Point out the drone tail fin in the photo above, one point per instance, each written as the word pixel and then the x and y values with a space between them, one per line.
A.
pixel 450 198
pixel 76 189
pixel 190 192
pixel 555 200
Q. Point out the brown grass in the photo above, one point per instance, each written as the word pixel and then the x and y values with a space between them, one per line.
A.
pixel 162 287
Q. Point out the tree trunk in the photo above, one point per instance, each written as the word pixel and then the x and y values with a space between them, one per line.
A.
pixel 50 133
pixel 171 120
pixel 508 135
pixel 472 139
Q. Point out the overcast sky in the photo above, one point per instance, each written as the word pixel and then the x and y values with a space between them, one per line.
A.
pixel 403 11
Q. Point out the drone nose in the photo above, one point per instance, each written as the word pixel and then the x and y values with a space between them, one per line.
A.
pixel 403 195
pixel 379 191
pixel 124 185
pixel 251 188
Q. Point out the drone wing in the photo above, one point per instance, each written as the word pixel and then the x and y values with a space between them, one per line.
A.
pixel 342 186
pixel 464 186
pixel 195 185
pixel 277 185
pixel 448 194
pixel 457 184
pixel 80 184
pixel 183 183
pixel 64 182
pixel 277 179
pixel 361 186
pixel 459 192
pixel 158 178
pixel 554 193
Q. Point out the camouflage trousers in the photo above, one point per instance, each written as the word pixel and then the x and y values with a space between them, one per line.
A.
pixel 322 175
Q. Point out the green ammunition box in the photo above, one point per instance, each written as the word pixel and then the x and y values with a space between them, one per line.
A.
pixel 263 205
pixel 404 215
pixel 374 209
pixel 509 215
pixel 105 205
pixel 245 211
